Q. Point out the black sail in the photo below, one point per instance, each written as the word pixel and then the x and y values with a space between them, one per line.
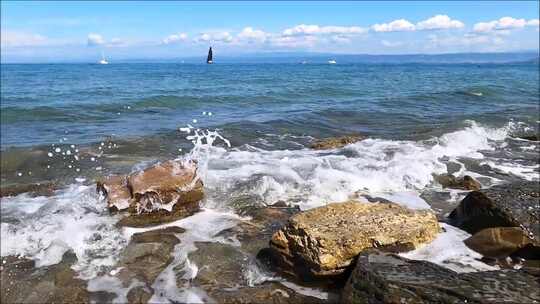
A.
pixel 209 58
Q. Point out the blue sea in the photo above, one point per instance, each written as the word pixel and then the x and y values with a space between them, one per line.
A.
pixel 68 124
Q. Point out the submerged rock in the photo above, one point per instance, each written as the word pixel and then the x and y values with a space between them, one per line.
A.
pixel 22 282
pixel 514 205
pixel 533 137
pixel 386 278
pixel 335 142
pixel 37 189
pixel 162 193
pixel 324 241
pixel 501 242
pixel 465 183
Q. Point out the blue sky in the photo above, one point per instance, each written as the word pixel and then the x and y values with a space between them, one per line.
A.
pixel 56 31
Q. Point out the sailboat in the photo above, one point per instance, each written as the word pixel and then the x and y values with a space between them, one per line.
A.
pixel 331 61
pixel 209 58
pixel 103 61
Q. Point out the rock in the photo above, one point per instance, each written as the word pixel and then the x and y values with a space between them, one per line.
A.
pixel 147 254
pixel 335 142
pixel 510 205
pixel 37 189
pixel 162 193
pixel 465 183
pixel 225 278
pixel 115 189
pixel 22 282
pixel 139 295
pixel 500 242
pixel 323 242
pixel 533 137
pixel 386 278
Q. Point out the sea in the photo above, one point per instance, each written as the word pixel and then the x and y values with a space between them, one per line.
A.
pixel 249 126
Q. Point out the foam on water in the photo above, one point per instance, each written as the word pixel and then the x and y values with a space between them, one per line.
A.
pixel 448 250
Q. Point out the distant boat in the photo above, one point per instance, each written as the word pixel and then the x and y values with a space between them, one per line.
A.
pixel 209 58
pixel 332 61
pixel 304 62
pixel 103 61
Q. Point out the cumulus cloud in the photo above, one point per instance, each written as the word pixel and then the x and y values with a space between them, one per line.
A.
pixel 251 35
pixel 304 29
pixel 391 43
pixel 175 38
pixel 400 25
pixel 505 23
pixel 17 39
pixel 95 40
pixel 439 22
pixel 224 37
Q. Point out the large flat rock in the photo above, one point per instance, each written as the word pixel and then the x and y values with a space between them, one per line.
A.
pixel 322 242
pixel 386 278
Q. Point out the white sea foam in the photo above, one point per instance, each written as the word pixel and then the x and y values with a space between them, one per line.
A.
pixel 448 250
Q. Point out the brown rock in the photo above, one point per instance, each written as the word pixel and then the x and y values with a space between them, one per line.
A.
pixel 162 193
pixel 322 242
pixel 465 183
pixel 499 242
pixel 37 189
pixel 115 188
pixel 335 142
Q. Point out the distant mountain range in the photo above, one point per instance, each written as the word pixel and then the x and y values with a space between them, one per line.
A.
pixel 297 57
pixel 526 57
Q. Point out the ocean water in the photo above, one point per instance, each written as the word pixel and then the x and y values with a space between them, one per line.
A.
pixel 249 127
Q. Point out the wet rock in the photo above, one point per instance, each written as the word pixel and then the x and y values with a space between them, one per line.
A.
pixel 162 193
pixel 387 278
pixel 147 254
pixel 227 276
pixel 139 295
pixel 533 137
pixel 37 189
pixel 323 242
pixel 510 205
pixel 115 188
pixel 22 282
pixel 501 242
pixel 335 142
pixel 465 183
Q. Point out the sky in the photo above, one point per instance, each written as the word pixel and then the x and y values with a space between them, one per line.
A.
pixel 81 31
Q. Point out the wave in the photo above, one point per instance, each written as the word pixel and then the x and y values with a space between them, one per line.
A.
pixel 75 218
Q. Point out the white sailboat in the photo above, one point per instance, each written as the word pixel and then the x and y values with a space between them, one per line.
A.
pixel 103 61
pixel 331 61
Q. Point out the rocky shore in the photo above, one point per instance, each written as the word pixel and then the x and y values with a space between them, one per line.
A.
pixel 348 252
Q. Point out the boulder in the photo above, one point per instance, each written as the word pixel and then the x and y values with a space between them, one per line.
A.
pixel 387 278
pixel 323 242
pixel 501 242
pixel 162 193
pixel 335 142
pixel 510 205
pixel 147 254
pixel 465 183
pixel 115 189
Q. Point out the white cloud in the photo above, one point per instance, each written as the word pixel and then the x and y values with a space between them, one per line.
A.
pixel 251 35
pixel 391 44
pixel 304 29
pixel 224 37
pixel 400 25
pixel 307 41
pixel 95 39
pixel 505 23
pixel 533 22
pixel 17 38
pixel 439 22
pixel 175 38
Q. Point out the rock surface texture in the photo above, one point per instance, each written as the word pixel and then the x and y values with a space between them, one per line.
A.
pixel 386 278
pixel 324 241
pixel 162 193
pixel 335 142
pixel 465 183
pixel 513 205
